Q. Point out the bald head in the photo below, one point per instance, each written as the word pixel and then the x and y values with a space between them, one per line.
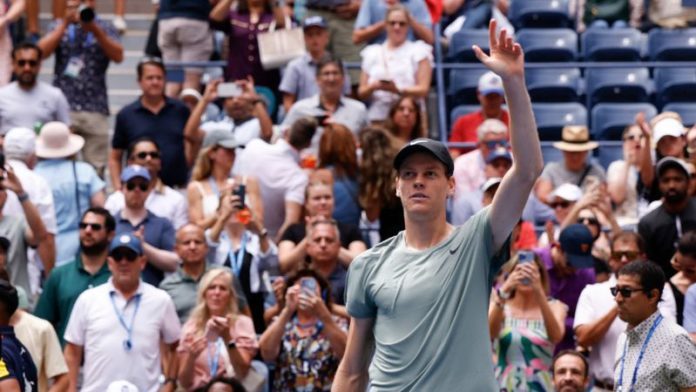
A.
pixel 190 244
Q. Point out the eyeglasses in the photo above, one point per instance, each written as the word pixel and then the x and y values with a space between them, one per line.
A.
pixel 495 143
pixel 32 63
pixel 145 154
pixel 625 292
pixel 140 185
pixel 93 226
pixel 629 255
pixel 559 204
pixel 394 23
pixel 119 255
pixel 588 220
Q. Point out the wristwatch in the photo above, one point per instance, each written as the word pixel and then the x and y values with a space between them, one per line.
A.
pixel 502 294
pixel 231 344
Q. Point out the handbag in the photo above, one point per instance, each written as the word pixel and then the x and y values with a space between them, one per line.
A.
pixel 279 47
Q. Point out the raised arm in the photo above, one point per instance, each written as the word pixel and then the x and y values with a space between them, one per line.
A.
pixel 507 60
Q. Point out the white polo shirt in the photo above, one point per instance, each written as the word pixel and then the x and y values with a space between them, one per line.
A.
pixel 596 301
pixel 163 201
pixel 95 326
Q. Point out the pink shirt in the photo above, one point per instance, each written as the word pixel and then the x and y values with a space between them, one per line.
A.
pixel 468 172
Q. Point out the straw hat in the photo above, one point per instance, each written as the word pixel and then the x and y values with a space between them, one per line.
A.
pixel 575 138
pixel 56 141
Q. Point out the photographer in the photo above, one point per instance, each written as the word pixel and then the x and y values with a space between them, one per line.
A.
pixel 84 45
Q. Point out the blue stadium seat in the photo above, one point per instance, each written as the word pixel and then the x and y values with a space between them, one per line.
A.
pixel 460 45
pixel 553 85
pixel 543 45
pixel 462 86
pixel 550 153
pixel 687 111
pixel 617 85
pixel 552 117
pixel 672 45
pixel 539 13
pixel 610 119
pixel 675 85
pixel 608 153
pixel 611 44
pixel 460 111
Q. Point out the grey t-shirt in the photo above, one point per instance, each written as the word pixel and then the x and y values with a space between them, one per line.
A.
pixel 14 229
pixel 430 309
pixel 557 173
pixel 20 108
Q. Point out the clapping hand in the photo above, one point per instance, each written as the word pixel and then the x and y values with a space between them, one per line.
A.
pixel 506 57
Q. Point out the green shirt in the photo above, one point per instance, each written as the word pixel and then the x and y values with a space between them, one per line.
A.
pixel 61 289
pixel 430 309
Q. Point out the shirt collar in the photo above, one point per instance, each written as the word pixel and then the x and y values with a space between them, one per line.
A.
pixel 139 103
pixel 640 331
pixel 120 218
pixel 320 106
pixel 81 267
pixel 112 288
pixel 288 149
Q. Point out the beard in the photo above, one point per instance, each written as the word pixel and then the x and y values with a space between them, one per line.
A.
pixel 675 196
pixel 94 249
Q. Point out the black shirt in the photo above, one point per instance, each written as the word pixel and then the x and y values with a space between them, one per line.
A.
pixel 349 233
pixel 16 362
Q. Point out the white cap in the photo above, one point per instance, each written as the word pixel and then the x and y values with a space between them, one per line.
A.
pixel 667 127
pixel 567 191
pixel 20 143
pixel 121 386
pixel 190 92
pixel 490 83
pixel 490 183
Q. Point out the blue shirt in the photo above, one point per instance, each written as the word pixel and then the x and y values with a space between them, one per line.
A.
pixel 73 184
pixel 373 11
pixel 167 127
pixel 87 91
pixel 690 309
pixel 16 362
pixel 189 9
pixel 158 232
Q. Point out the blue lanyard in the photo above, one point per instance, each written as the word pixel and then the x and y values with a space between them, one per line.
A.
pixel 214 362
pixel 640 356
pixel 128 343
pixel 71 36
pixel 237 260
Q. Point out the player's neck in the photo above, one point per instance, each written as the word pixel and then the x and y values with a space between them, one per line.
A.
pixel 424 235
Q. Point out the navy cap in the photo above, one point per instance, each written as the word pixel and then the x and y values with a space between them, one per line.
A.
pixel 435 148
pixel 500 152
pixel 134 171
pixel 576 242
pixel 314 21
pixel 126 240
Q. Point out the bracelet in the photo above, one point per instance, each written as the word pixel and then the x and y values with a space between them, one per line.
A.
pixel 22 197
pixel 263 233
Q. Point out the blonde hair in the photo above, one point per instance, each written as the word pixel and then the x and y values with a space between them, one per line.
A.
pixel 203 166
pixel 200 313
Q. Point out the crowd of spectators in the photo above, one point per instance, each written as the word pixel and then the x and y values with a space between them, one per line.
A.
pixel 205 243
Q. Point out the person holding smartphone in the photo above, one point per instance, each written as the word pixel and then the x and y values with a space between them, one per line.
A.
pixel 525 325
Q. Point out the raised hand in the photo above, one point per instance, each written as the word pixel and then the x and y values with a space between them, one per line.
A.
pixel 506 58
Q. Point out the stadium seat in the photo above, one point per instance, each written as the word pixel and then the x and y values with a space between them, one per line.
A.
pixel 675 85
pixel 687 111
pixel 611 45
pixel 553 85
pixel 462 86
pixel 617 85
pixel 610 119
pixel 672 45
pixel 550 153
pixel 539 13
pixel 460 45
pixel 544 45
pixel 552 117
pixel 460 111
pixel 608 153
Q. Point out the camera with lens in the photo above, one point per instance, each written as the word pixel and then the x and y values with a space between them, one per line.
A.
pixel 86 13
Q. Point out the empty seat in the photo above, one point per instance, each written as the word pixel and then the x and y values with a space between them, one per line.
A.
pixel 462 86
pixel 548 44
pixel 553 85
pixel 550 153
pixel 610 119
pixel 617 85
pixel 461 42
pixel 461 110
pixel 672 45
pixel 539 13
pixel 675 85
pixel 552 117
pixel 687 111
pixel 609 152
pixel 611 44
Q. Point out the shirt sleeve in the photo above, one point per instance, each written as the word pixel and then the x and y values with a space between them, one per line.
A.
pixel 171 327
pixel 583 310
pixel 180 216
pixel 7 369
pixel 681 367
pixel 120 138
pixel 289 82
pixel 54 363
pixel 244 335
pixel 168 235
pixel 690 310
pixel 419 11
pixel 63 109
pixel 296 191
pixel 47 306
pixel 77 324
pixel 359 303
pixel 96 184
pixel 364 18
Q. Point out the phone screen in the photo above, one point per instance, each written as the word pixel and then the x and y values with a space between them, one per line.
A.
pixel 226 90
pixel 308 285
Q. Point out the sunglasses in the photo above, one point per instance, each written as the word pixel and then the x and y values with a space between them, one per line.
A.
pixel 495 143
pixel 32 63
pixel 140 185
pixel 93 226
pixel 145 154
pixel 588 220
pixel 629 255
pixel 120 255
pixel 625 292
pixel 561 204
pixel 395 23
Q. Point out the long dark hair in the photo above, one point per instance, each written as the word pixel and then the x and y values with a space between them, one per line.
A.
pixel 243 6
pixel 417 127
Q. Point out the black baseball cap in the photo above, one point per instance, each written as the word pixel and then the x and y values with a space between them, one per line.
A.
pixel 576 242
pixel 433 147
pixel 671 163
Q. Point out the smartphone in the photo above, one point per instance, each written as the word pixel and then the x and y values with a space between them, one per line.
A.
pixel 227 90
pixel 321 118
pixel 240 191
pixel 309 286
pixel 525 256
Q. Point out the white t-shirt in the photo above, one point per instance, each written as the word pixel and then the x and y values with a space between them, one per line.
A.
pixel 626 213
pixel 95 326
pixel 42 104
pixel 39 337
pixel 399 65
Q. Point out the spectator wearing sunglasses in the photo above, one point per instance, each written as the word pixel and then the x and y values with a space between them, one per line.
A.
pixel 469 169
pixel 371 24
pixel 597 327
pixel 562 200
pixel 87 270
pixel 156 233
pixel 120 327
pixel 162 200
pixel 28 101
pixel 75 184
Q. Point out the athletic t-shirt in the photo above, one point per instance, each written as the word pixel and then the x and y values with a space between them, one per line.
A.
pixel 430 309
